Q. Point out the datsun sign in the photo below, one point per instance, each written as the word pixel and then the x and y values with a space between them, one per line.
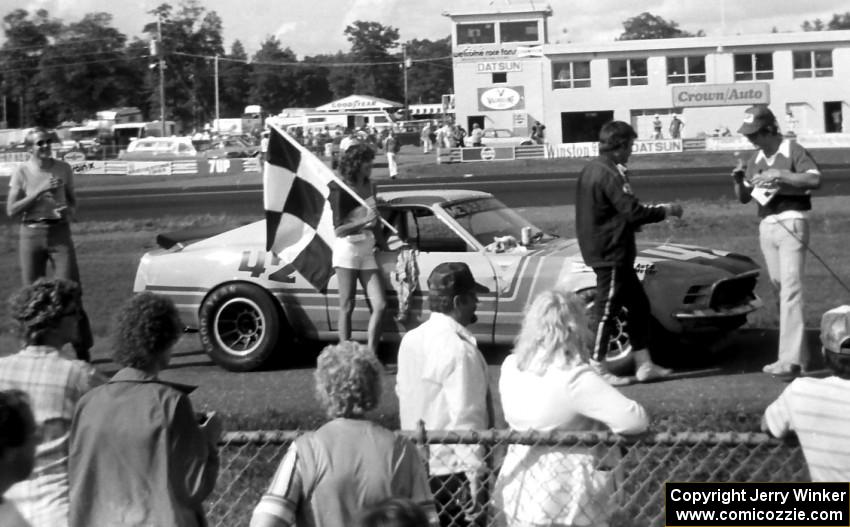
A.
pixel 501 98
pixel 738 94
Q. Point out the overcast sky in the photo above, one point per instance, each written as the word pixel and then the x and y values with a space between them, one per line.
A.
pixel 313 27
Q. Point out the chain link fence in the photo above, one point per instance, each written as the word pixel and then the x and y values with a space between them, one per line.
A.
pixel 537 477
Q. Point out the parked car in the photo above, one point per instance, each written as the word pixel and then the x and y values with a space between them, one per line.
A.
pixel 159 149
pixel 503 137
pixel 233 147
pixel 249 305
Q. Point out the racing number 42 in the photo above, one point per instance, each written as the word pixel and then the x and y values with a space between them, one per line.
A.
pixel 284 274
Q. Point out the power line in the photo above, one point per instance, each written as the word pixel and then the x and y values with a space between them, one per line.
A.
pixel 43 46
pixel 310 64
pixel 69 64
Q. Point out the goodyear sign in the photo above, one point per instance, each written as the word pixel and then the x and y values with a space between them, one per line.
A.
pixel 738 94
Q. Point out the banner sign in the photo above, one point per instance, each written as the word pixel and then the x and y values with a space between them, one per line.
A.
pixel 737 94
pixel 501 98
pixel 641 146
pixel 824 140
pixel 487 153
pixel 732 142
pixel 498 67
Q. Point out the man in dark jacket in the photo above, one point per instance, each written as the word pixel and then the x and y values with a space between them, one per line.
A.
pixel 607 216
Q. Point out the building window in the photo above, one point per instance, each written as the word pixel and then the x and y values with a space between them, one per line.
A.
pixel 753 66
pixel 570 75
pixel 685 69
pixel 812 64
pixel 519 31
pixel 500 78
pixel 628 72
pixel 476 34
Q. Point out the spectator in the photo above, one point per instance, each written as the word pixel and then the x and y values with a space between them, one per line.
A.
pixel 676 126
pixel 460 136
pixel 41 192
pixel 656 127
pixel 538 133
pixel 442 380
pixel 327 478
pixel 47 313
pixel 18 438
pixel 818 410
pixel 546 384
pixel 358 231
pixel 607 216
pixel 138 453
pixel 392 146
pixel 395 512
pixel 425 136
pixel 477 134
pixel 780 175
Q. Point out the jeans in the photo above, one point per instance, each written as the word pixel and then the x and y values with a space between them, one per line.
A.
pixel 42 243
pixel 783 243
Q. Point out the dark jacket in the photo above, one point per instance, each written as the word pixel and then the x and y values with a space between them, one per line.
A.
pixel 608 215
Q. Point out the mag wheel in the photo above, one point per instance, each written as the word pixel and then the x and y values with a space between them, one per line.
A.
pixel 240 327
pixel 619 358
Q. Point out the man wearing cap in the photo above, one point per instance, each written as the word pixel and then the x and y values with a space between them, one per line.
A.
pixel 442 380
pixel 780 176
pixel 818 410
pixel 607 216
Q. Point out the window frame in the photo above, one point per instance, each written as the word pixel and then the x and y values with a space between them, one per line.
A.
pixel 812 70
pixel 526 23
pixel 753 73
pixel 687 76
pixel 572 82
pixel 630 79
pixel 470 25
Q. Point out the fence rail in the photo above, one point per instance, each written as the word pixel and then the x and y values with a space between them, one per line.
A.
pixel 631 487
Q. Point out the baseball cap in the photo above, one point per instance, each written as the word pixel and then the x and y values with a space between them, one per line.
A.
pixel 453 278
pixel 835 330
pixel 755 119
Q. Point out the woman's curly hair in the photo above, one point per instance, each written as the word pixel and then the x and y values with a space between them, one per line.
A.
pixel 146 326
pixel 353 159
pixel 554 333
pixel 40 306
pixel 348 379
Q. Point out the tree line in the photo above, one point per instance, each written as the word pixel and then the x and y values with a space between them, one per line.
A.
pixel 52 71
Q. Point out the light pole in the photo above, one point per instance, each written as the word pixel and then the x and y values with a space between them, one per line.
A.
pixel 160 53
pixel 405 64
pixel 217 117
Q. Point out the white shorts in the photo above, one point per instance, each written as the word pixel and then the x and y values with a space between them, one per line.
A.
pixel 355 251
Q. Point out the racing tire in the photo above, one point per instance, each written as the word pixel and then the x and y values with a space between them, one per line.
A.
pixel 240 327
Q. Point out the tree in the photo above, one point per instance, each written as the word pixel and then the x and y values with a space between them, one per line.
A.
pixel 274 80
pixel 430 75
pixel 374 70
pixel 838 21
pixel 646 26
pixel 234 74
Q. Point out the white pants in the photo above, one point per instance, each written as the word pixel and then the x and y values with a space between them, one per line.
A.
pixel 783 243
pixel 392 164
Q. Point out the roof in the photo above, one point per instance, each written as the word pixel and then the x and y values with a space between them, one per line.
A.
pixel 430 197
pixel 498 7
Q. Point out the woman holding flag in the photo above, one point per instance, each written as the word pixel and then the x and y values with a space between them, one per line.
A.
pixel 358 231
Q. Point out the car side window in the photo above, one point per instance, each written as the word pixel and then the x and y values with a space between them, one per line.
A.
pixel 428 233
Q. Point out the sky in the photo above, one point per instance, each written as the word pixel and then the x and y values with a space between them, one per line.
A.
pixel 315 27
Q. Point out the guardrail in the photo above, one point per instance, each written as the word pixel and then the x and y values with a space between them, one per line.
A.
pixel 629 474
pixel 196 166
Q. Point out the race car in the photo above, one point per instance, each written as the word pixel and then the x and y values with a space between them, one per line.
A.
pixel 248 305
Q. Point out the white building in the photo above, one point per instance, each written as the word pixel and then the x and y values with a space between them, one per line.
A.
pixel 507 75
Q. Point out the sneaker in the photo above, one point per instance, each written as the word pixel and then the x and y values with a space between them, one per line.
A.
pixel 607 376
pixel 649 371
pixel 783 371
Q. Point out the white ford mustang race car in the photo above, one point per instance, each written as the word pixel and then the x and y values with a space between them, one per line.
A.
pixel 248 305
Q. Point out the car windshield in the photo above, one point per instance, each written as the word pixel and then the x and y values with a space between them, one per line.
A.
pixel 487 218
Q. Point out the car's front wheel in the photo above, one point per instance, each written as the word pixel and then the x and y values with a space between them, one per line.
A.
pixel 619 359
pixel 240 326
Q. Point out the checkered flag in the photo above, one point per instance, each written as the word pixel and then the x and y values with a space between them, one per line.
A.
pixel 299 221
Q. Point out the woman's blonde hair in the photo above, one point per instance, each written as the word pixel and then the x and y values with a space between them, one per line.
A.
pixel 554 333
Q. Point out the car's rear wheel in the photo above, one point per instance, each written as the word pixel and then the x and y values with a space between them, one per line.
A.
pixel 240 326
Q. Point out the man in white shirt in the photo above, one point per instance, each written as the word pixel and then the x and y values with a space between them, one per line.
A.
pixel 442 380
pixel 818 410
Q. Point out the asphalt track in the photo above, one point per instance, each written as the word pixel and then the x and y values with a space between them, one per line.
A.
pixel 116 203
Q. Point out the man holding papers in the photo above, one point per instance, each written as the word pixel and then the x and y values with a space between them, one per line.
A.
pixel 779 177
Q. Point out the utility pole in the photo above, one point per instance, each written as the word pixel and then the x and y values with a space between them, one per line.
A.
pixel 161 54
pixel 217 116
pixel 406 63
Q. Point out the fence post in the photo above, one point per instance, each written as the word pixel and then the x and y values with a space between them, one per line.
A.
pixel 422 444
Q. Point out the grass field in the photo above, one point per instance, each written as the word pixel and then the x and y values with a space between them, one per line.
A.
pixel 108 253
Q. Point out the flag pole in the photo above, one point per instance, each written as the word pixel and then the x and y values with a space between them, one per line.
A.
pixel 336 178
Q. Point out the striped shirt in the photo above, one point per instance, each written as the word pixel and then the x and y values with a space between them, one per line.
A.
pixel 54 385
pixel 818 410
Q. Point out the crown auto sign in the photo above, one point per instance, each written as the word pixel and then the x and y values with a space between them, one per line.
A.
pixel 738 94
pixel 501 98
